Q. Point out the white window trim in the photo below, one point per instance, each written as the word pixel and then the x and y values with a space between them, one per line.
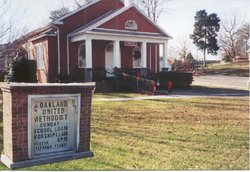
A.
pixel 84 63
pixel 39 49
pixel 131 25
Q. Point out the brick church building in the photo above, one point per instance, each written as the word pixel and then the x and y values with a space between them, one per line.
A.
pixel 100 36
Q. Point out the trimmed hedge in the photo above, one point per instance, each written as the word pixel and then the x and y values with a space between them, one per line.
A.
pixel 22 70
pixel 180 80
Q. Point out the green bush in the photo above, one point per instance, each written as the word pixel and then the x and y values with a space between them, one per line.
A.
pixel 227 58
pixel 2 73
pixel 21 70
pixel 180 80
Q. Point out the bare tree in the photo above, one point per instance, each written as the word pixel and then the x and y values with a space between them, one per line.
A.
pixel 3 26
pixel 153 8
pixel 243 36
pixel 233 34
pixel 183 47
pixel 10 33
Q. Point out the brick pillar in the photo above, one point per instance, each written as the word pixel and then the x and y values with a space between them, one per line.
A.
pixel 16 124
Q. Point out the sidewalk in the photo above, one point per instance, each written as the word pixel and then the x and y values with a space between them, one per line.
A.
pixel 222 81
pixel 175 95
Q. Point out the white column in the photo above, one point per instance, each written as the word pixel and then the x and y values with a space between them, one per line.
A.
pixel 144 55
pixel 88 47
pixel 165 56
pixel 117 54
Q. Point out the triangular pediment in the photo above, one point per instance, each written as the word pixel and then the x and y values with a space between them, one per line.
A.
pixel 120 20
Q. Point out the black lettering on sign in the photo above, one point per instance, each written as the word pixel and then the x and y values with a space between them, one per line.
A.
pixel 53 104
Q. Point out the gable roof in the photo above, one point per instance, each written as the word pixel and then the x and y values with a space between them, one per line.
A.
pixel 46 30
pixel 111 15
pixel 94 24
pixel 59 20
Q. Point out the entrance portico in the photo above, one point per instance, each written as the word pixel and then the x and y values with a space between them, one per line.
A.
pixel 148 44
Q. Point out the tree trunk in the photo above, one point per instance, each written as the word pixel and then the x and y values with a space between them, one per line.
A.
pixel 205 48
pixel 204 60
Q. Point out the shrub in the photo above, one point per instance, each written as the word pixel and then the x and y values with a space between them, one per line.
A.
pixel 99 74
pixel 2 73
pixel 227 58
pixel 179 80
pixel 21 70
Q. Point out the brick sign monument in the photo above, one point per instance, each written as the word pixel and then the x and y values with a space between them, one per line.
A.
pixel 44 123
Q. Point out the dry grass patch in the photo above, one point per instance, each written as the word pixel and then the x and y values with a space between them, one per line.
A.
pixel 178 134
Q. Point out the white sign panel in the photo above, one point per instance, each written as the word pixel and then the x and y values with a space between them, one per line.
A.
pixel 130 44
pixel 53 124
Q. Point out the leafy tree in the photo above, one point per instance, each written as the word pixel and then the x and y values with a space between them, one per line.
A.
pixel 21 69
pixel 205 32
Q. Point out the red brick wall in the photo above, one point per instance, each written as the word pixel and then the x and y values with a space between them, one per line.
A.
pixel 53 58
pixel 99 53
pixel 15 116
pixel 81 18
pixel 155 57
pixel 126 56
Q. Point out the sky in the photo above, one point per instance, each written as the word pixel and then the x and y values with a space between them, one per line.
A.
pixel 178 21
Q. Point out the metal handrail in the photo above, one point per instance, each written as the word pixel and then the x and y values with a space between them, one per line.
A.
pixel 141 84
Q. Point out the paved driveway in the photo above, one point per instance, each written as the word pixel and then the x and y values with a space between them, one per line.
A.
pixel 233 82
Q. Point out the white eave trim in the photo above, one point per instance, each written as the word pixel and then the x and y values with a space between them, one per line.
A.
pixel 131 36
pixel 119 37
pixel 57 22
pixel 41 36
pixel 129 31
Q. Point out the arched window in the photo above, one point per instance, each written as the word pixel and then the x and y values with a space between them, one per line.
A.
pixel 137 57
pixel 81 56
pixel 131 25
pixel 109 47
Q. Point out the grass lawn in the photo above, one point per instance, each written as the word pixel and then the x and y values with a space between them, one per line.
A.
pixel 174 134
pixel 234 68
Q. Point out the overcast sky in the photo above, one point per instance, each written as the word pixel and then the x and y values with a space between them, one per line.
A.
pixel 178 21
